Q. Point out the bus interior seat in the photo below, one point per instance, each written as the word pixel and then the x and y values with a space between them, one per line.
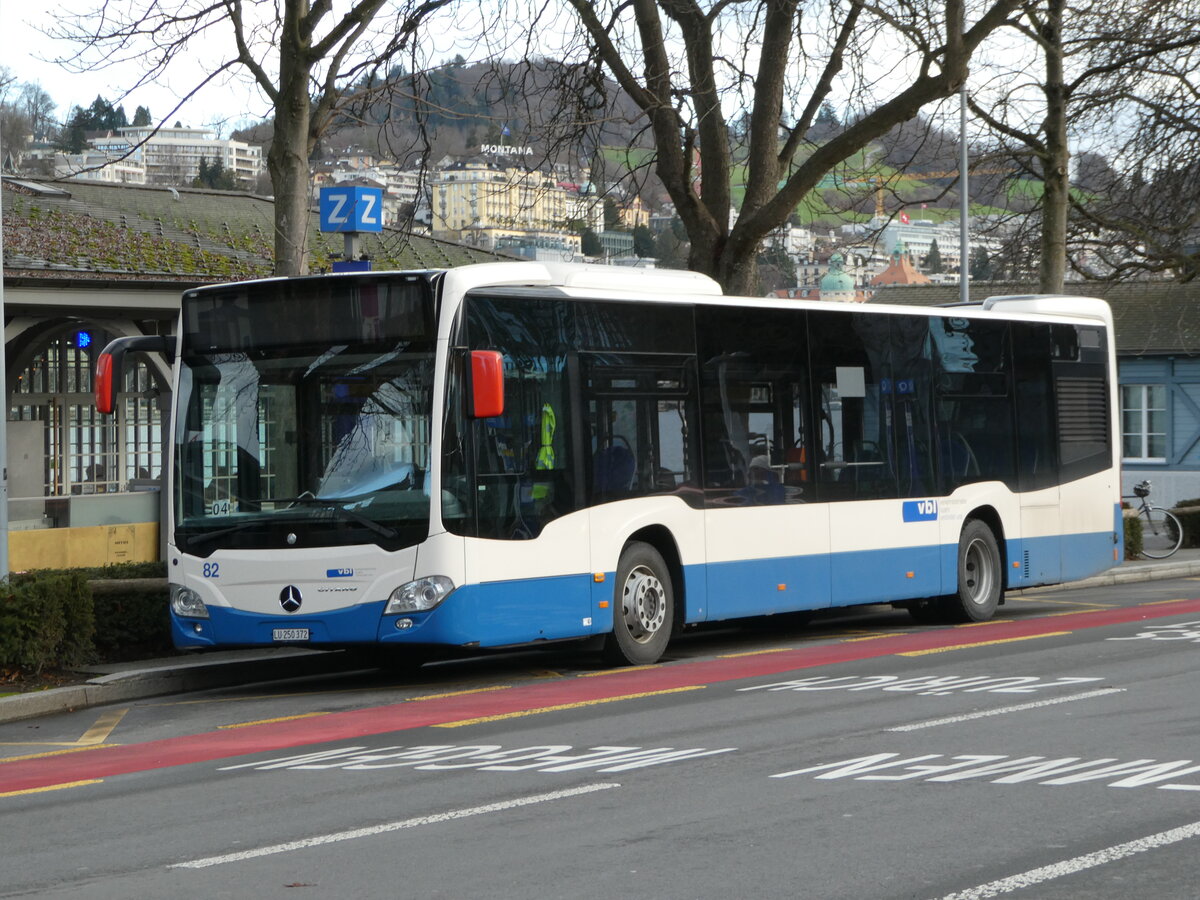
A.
pixel 613 470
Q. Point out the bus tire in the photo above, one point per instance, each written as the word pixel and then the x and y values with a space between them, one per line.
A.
pixel 643 608
pixel 980 575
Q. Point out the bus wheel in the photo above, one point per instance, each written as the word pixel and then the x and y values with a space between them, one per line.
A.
pixel 979 575
pixel 644 608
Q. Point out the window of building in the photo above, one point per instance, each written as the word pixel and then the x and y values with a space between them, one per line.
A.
pixel 1144 422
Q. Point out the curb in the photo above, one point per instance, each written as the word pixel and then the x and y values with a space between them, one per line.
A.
pixel 138 684
pixel 1131 572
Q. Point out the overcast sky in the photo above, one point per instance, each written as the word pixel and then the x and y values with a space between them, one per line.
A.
pixel 27 52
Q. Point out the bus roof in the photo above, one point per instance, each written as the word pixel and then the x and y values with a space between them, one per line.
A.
pixel 582 277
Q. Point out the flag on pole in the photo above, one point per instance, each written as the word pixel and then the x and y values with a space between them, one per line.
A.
pixel 504 132
pixel 904 220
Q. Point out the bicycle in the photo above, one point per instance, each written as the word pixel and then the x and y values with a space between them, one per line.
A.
pixel 1162 534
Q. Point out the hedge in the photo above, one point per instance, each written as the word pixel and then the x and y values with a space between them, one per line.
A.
pixel 1188 514
pixel 1133 537
pixel 131 618
pixel 57 619
pixel 46 620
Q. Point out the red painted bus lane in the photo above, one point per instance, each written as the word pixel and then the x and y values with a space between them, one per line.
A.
pixel 43 772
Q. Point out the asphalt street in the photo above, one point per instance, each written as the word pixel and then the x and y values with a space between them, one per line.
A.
pixel 1050 753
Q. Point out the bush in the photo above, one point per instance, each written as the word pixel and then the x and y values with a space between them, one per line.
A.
pixel 131 619
pixel 1189 520
pixel 125 570
pixel 46 621
pixel 1133 537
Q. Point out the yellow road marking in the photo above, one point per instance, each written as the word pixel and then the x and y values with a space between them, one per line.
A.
pixel 270 721
pixel 104 726
pixel 1160 602
pixel 562 706
pixel 1069 612
pixel 57 752
pixel 94 736
pixel 483 690
pixel 1026 637
pixel 52 787
pixel 753 653
pixel 617 671
pixel 872 637
pixel 364 690
pixel 1069 602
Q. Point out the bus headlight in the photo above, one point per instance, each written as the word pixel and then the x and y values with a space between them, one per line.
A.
pixel 186 602
pixel 421 595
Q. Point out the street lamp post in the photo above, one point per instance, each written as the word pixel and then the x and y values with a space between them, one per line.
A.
pixel 3 404
pixel 964 255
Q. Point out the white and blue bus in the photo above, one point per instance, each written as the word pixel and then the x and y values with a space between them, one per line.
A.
pixel 517 453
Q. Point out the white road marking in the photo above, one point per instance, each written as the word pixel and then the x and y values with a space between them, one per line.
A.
pixel 1020 707
pixel 1078 864
pixel 391 826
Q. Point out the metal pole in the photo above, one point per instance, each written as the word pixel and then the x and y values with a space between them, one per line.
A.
pixel 4 401
pixel 964 247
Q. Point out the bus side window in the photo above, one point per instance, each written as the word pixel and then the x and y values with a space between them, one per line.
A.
pixel 640 414
pixel 856 406
pixel 975 426
pixel 523 461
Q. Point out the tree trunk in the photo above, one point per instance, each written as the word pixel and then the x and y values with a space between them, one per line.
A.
pixel 1055 159
pixel 287 161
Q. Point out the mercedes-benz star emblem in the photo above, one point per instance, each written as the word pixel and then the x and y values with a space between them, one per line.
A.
pixel 290 598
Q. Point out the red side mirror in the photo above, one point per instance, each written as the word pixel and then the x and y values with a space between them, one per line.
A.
pixel 106 396
pixel 110 364
pixel 487 384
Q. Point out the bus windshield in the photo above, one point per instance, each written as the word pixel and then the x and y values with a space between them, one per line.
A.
pixel 299 427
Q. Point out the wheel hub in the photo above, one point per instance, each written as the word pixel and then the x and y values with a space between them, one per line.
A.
pixel 977 573
pixel 643 604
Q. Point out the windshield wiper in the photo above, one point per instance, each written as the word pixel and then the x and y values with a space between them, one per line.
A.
pixel 335 506
pixel 204 537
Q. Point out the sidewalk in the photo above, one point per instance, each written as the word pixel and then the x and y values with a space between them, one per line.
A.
pixel 121 682
pixel 1181 565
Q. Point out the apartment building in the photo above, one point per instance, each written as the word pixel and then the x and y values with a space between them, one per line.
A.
pixel 496 194
pixel 171 156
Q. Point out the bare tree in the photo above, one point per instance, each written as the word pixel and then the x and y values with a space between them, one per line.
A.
pixel 300 55
pixel 1101 63
pixel 691 68
pixel 1141 217
pixel 39 108
pixel 8 82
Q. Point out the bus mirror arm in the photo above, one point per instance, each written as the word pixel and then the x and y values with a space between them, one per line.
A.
pixel 110 365
pixel 487 384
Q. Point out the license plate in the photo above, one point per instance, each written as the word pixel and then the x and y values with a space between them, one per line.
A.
pixel 289 634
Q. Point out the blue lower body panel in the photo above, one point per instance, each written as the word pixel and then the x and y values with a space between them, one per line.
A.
pixel 493 614
pixel 1053 560
pixel 232 627
pixel 497 614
